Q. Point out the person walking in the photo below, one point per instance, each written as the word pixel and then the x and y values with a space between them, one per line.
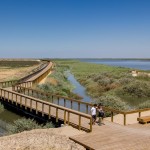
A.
pixel 100 114
pixel 93 113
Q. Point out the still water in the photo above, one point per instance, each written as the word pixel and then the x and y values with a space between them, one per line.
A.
pixel 7 117
pixel 135 64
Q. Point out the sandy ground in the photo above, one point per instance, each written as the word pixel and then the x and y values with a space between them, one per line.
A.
pixel 42 139
pixel 14 73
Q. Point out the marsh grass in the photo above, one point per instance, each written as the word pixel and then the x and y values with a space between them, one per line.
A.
pixel 1 108
pixel 102 80
pixel 24 124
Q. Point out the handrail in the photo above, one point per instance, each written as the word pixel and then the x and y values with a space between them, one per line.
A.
pixel 5 94
pixel 4 84
pixel 9 83
pixel 36 78
pixel 34 71
pixel 27 91
pixel 18 88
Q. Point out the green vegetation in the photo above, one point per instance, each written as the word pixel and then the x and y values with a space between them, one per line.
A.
pixel 144 105
pixel 58 84
pixel 23 124
pixel 1 108
pixel 114 86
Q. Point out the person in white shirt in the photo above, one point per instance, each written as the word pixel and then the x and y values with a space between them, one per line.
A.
pixel 93 113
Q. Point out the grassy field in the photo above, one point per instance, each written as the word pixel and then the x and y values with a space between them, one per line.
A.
pixel 15 69
pixel 17 63
pixel 113 86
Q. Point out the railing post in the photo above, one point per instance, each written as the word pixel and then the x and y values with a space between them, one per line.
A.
pixel 36 107
pixel 12 98
pixel 79 122
pixel 42 109
pixel 16 99
pixel 30 105
pixel 68 118
pixel 56 114
pixel 4 95
pixel 139 114
pixel 112 116
pixel 49 112
pixel 124 119
pixel 64 116
pixel 0 93
pixel 8 96
pixel 86 108
pixel 91 124
pixel 20 101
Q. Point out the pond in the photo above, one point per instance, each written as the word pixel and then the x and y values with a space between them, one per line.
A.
pixel 141 64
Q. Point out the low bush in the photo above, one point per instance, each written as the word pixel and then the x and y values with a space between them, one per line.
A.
pixel 144 105
pixel 21 125
pixel 112 102
pixel 137 89
pixel 1 108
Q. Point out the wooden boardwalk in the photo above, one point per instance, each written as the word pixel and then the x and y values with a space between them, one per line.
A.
pixel 71 117
pixel 112 136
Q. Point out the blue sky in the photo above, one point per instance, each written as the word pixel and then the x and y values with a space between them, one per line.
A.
pixel 75 28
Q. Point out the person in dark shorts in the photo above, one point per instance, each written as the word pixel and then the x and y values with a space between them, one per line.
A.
pixel 93 113
pixel 100 113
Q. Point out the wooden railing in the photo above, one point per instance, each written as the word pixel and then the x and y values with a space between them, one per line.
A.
pixel 69 103
pixel 39 68
pixel 36 78
pixel 67 115
pixel 65 101
pixel 10 83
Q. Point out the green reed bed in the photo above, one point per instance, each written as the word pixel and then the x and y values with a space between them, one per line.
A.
pixel 113 86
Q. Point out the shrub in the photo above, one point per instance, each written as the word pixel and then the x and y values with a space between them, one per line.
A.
pixel 144 105
pixel 23 124
pixel 137 89
pixel 112 102
pixel 125 80
pixel 1 108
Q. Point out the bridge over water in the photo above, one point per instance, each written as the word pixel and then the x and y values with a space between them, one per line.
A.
pixel 108 136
